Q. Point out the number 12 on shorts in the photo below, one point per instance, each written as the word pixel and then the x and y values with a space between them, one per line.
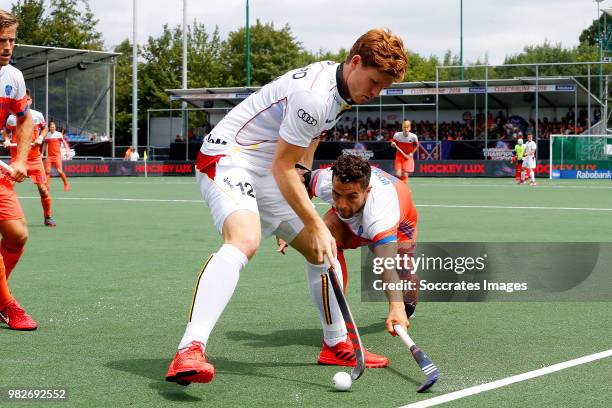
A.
pixel 246 189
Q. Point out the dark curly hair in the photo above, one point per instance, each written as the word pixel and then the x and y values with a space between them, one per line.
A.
pixel 350 168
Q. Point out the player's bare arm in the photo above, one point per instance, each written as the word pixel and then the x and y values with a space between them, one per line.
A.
pixel 397 312
pixel 24 128
pixel 308 157
pixel 41 138
pixel 283 169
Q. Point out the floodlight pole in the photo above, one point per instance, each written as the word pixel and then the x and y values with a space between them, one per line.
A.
pixel 248 47
pixel 461 37
pixel 184 104
pixel 600 50
pixel 135 77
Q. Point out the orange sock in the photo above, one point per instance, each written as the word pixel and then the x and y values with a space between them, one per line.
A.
pixel 64 178
pixel 46 205
pixel 5 293
pixel 10 256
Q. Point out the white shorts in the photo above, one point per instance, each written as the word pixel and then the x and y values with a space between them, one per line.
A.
pixel 236 188
pixel 529 162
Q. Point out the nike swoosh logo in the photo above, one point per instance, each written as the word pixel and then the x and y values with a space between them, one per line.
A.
pixel 329 121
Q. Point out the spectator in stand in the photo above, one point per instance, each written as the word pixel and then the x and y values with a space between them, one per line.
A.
pixel 128 154
pixel 134 156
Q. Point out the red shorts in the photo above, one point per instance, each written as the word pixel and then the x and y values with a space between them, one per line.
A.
pixel 10 209
pixel 36 172
pixel 55 161
pixel 404 165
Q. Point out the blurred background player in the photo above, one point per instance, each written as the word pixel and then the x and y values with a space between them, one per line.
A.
pixel 517 158
pixel 54 141
pixel 12 221
pixel 529 160
pixel 405 142
pixel 246 174
pixel 36 170
pixel 369 207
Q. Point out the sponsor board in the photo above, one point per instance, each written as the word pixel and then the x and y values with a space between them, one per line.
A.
pixel 87 168
pixel 583 174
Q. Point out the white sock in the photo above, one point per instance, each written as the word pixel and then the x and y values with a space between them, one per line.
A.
pixel 214 290
pixel 533 176
pixel 334 328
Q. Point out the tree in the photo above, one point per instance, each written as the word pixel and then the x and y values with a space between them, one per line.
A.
pixel 68 27
pixel 589 34
pixel 420 68
pixel 64 24
pixel 30 15
pixel 273 52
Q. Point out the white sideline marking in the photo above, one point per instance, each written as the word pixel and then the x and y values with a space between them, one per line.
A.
pixel 143 200
pixel 418 182
pixel 443 184
pixel 503 207
pixel 507 381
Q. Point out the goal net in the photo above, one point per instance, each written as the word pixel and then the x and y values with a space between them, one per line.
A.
pixel 581 156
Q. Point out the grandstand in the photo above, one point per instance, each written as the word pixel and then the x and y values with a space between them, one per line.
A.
pixel 448 116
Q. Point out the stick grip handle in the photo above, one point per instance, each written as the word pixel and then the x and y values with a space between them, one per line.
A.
pixel 404 336
pixel 6 167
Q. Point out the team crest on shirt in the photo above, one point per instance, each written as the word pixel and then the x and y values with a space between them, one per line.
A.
pixel 8 90
pixel 360 230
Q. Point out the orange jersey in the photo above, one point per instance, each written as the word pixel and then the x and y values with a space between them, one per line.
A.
pixel 39 125
pixel 12 101
pixel 388 215
pixel 12 93
pixel 54 147
pixel 407 144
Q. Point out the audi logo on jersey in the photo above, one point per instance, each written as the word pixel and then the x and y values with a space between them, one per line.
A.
pixel 305 116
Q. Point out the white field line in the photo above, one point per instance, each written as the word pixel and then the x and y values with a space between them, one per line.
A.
pixel 417 183
pixel 514 207
pixel 540 185
pixel 503 207
pixel 507 381
pixel 138 200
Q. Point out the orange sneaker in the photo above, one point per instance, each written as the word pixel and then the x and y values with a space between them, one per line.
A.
pixel 342 354
pixel 16 318
pixel 189 365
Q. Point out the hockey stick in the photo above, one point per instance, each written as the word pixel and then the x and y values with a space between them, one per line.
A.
pixel 351 327
pixel 427 366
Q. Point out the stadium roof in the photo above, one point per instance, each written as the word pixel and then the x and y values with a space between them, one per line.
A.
pixel 453 95
pixel 32 59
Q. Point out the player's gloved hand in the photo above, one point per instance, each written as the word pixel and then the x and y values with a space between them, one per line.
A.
pixel 20 171
pixel 397 315
pixel 6 143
